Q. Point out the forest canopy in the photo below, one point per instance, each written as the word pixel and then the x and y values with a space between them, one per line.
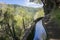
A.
pixel 15 20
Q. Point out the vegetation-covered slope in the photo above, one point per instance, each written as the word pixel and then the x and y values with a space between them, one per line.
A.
pixel 15 20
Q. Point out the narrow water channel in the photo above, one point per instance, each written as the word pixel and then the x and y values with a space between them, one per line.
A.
pixel 40 33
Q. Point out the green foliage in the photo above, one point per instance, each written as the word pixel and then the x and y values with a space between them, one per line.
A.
pixel 56 16
pixel 39 13
pixel 14 20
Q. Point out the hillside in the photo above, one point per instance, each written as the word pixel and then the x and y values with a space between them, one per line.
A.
pixel 17 20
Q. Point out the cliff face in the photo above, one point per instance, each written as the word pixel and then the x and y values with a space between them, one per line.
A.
pixel 51 21
pixel 52 28
pixel 49 5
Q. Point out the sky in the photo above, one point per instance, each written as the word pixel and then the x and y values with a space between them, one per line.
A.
pixel 22 2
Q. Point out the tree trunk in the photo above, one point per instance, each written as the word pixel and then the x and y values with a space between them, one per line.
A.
pixel 14 33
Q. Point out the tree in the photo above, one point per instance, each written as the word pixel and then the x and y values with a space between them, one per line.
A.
pixel 7 23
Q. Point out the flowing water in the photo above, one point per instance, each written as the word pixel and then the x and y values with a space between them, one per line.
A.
pixel 40 33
